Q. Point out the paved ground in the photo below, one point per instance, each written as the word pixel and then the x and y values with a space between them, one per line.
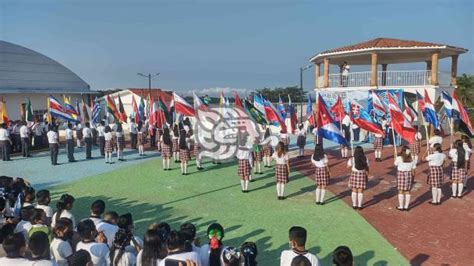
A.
pixel 428 235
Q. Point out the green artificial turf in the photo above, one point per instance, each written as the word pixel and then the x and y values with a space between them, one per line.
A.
pixel 213 195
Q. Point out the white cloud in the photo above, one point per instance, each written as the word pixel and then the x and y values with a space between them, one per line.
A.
pixel 216 91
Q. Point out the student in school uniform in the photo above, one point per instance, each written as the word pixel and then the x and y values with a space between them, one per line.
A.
pixel 120 141
pixel 301 139
pixel 119 254
pixel 359 165
pixel 467 145
pixel 5 142
pixel 25 132
pixel 322 174
pixel 285 139
pixel 93 242
pixel 184 153
pixel 44 199
pixel 79 134
pixel 166 148
pixel 282 169
pixel 176 143
pixel 405 176
pixel 159 133
pixel 100 135
pixel 436 173
pixel 141 136
pixel 378 146
pixel 459 158
pixel 109 144
pixel 415 147
pixel 297 239
pixel 346 130
pixel 244 157
pixel 197 154
pixel 63 210
pixel 436 139
pixel 267 149
pixel 53 140
pixel 87 135
pixel 60 247
pixel 257 156
pixel 133 133
pixel 70 143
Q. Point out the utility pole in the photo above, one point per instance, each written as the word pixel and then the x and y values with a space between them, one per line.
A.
pixel 302 69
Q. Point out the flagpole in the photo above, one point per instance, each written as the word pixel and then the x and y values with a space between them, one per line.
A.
pixel 451 129
pixel 315 117
pixel 394 143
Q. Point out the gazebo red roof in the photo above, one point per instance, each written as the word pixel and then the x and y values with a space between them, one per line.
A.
pixel 155 93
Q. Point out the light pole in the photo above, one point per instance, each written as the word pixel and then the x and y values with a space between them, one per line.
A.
pixel 302 69
pixel 149 76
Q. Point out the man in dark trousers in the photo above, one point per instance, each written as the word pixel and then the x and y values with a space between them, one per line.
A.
pixel 53 140
pixel 87 135
pixel 5 142
pixel 25 133
pixel 133 134
pixel 101 136
pixel 70 143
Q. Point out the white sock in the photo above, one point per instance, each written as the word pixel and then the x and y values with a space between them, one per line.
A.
pixel 321 198
pixel 407 200
pixel 185 168
pixel 354 199
pixel 278 189
pixel 182 168
pixel 168 162
pixel 360 197
pixel 439 195
pixel 415 159
pixel 400 201
pixel 250 177
pixel 454 187
pixel 246 185
pixel 434 193
pixel 318 190
pixel 164 163
pixel 282 189
pixel 460 188
pixel 242 184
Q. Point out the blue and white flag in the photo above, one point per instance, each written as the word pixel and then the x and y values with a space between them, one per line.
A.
pixel 96 112
pixel 326 127
pixel 448 104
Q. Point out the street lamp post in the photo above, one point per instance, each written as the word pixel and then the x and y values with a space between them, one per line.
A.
pixel 149 76
pixel 302 69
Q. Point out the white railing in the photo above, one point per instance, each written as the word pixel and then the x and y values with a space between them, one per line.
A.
pixel 386 78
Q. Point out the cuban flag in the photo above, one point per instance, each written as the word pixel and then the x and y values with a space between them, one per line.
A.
pixel 309 111
pixel 326 127
pixel 181 106
pixel 281 107
pixel 361 118
pixel 273 116
pixel 429 112
pixel 377 103
pixel 447 104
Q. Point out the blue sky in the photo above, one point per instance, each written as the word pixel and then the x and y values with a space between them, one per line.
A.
pixel 203 45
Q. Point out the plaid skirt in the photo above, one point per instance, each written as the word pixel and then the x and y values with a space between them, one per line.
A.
pixel 322 176
pixel 404 180
pixel 120 143
pixel 378 143
pixel 141 139
pixel 244 168
pixel 175 145
pixel 281 173
pixel 195 149
pixel 258 156
pixel 109 145
pixel 267 150
pixel 184 155
pixel 415 147
pixel 458 174
pixel 166 150
pixel 435 176
pixel 285 141
pixel 301 141
pixel 358 180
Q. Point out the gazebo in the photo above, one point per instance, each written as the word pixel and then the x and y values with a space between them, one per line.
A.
pixel 384 52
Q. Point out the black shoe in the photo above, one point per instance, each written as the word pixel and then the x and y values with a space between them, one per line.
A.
pixel 432 203
pixel 406 209
pixel 400 209
pixel 453 197
pixel 360 208
pixel 321 203
pixel 252 180
pixel 354 207
pixel 283 197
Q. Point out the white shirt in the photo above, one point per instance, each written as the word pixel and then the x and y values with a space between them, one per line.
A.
pixel 38 129
pixel 109 231
pixel 345 70
pixel 418 136
pixel 64 214
pixel 100 131
pixel 467 149
pixel 52 137
pixel 404 166
pixel 139 259
pixel 346 120
pixel 435 139
pixel 119 134
pixel 283 136
pixel 127 259
pixel 14 262
pixel 133 128
pixel 60 250
pixel 349 164
pixel 193 256
pixel 4 135
pixel 301 132
pixel 320 163
pixel 287 257
pixel 453 154
pixel 280 160
pixel 378 135
pixel 41 263
pixel 108 136
pixel 436 159
pixel 48 210
pixel 24 131
pixel 99 252
pixel 87 132
pixel 243 154
pixel 69 133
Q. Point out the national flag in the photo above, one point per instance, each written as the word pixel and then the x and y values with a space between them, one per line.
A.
pixel 79 115
pixel 85 112
pixel 3 113
pixel 153 115
pixel 221 99
pixel 281 107
pixel 56 109
pixel 410 113
pixel 361 118
pixel 258 103
pixel 429 112
pixel 199 103
pixel 326 127
pixel 165 111
pixel 181 106
pixel 96 112
pixel 377 103
pixel 447 104
pixel 237 101
pixel 135 114
pixel 293 117
pixel 337 110
pixel 121 109
pixel 227 102
pixel 29 112
pixel 112 108
pixel 141 109
pixel 309 111
pixel 463 115
pixel 69 108
pixel 254 113
pixel 273 116
pixel 399 123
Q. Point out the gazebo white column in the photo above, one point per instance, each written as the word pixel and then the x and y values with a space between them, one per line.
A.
pixel 373 69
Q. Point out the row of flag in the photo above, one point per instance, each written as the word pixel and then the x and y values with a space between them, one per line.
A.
pixel 80 113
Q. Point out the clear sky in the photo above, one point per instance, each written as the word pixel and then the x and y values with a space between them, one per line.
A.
pixel 204 45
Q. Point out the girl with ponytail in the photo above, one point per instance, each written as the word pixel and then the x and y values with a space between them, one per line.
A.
pixel 459 159
pixel 119 255
pixel 63 208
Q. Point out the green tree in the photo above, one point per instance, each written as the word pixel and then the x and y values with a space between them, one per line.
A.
pixel 272 94
pixel 465 89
